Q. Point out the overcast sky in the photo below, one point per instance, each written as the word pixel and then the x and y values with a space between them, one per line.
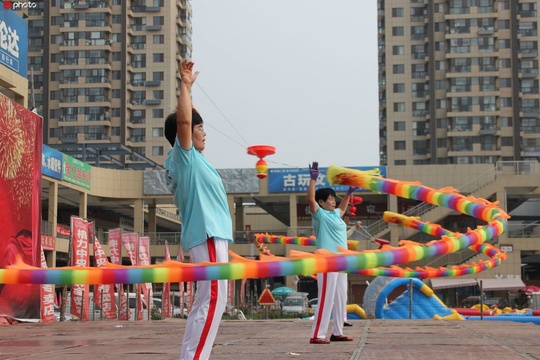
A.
pixel 300 75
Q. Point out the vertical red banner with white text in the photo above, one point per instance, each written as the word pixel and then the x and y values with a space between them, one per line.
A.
pixel 20 203
pixel 144 259
pixel 166 305
pixel 131 244
pixel 104 293
pixel 80 256
pixel 47 296
pixel 115 249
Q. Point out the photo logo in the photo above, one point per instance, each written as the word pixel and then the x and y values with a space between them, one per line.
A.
pixel 16 5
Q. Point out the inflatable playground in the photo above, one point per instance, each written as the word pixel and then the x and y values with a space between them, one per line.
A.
pixel 419 301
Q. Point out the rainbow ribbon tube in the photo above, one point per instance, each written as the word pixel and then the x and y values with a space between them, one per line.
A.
pixel 377 262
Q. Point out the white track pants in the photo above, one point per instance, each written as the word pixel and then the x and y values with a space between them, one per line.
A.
pixel 210 301
pixel 332 293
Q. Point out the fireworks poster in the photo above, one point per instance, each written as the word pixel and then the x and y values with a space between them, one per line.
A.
pixel 20 203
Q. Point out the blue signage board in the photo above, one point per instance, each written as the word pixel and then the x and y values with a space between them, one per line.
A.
pixel 290 180
pixel 51 162
pixel 13 41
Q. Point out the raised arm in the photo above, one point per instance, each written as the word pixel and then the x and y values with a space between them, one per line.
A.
pixel 345 202
pixel 183 114
pixel 314 174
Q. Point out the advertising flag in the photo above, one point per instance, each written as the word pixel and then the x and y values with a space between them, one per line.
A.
pixel 166 306
pixel 20 203
pixel 144 259
pixel 103 294
pixel 47 296
pixel 130 242
pixel 115 249
pixel 80 256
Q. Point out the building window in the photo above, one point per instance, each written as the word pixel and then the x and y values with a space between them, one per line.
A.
pixel 398 31
pixel 504 44
pixel 441 104
pixel 507 141
pixel 399 88
pixel 157 113
pixel 157 132
pixel 160 57
pixel 397 12
pixel 504 24
pixel 505 82
pixel 399 69
pixel 399 145
pixel 400 162
pixel 506 102
pixel 398 50
pixel 159 39
pixel 440 65
pixel 440 46
pixel 399 107
pixel 159 20
pixel 399 125
pixel 157 150
pixel 440 84
pixel 504 63
pixel 158 94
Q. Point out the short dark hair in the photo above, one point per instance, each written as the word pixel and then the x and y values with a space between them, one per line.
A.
pixel 170 124
pixel 324 193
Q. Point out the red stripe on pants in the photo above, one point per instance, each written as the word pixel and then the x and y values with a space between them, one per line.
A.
pixel 320 306
pixel 213 300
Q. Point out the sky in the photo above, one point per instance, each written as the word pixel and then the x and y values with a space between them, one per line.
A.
pixel 300 75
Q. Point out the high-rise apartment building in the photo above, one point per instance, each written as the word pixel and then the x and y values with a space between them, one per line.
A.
pixel 105 75
pixel 458 81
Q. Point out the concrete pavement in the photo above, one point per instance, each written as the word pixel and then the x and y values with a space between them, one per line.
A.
pixel 274 339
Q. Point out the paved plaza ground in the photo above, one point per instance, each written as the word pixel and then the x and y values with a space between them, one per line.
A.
pixel 273 339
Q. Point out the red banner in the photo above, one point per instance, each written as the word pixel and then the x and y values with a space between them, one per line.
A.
pixel 144 259
pixel 48 242
pixel 115 249
pixel 131 243
pixel 104 294
pixel 80 256
pixel 20 203
pixel 62 230
pixel 47 296
pixel 166 306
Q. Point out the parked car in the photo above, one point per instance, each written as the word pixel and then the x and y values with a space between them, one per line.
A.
pixel 296 302
pixel 469 302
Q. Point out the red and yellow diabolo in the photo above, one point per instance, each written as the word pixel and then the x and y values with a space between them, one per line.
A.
pixel 261 151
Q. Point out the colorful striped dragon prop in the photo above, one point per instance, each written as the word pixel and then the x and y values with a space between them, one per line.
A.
pixel 383 261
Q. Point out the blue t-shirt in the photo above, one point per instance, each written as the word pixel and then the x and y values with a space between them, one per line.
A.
pixel 330 229
pixel 199 195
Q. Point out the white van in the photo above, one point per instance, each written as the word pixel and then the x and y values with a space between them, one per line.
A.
pixel 296 302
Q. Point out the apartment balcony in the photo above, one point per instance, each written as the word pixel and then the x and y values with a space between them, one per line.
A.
pixel 528 73
pixel 528 53
pixel 486 30
pixel 153 27
pixel 529 131
pixel 152 102
pixel 529 111
pixel 531 152
pixel 137 138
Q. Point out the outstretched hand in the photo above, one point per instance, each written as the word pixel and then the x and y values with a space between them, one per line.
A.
pixel 351 190
pixel 314 170
pixel 186 72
